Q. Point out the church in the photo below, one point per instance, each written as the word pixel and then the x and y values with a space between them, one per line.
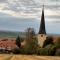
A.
pixel 42 30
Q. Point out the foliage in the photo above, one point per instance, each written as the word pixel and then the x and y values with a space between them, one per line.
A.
pixel 31 41
pixel 48 50
pixel 16 51
pixel 18 41
pixel 30 33
pixel 48 41
pixel 31 48
pixel 57 44
pixel 42 51
pixel 57 53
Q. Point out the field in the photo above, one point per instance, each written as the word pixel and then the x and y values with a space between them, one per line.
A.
pixel 27 57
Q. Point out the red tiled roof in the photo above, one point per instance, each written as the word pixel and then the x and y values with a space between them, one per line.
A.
pixel 8 44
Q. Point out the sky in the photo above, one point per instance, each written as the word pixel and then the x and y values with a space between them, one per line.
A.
pixel 18 15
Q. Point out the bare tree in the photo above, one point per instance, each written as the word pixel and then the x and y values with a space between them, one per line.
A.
pixel 30 33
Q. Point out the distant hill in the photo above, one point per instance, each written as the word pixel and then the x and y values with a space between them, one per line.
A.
pixel 50 34
pixel 9 34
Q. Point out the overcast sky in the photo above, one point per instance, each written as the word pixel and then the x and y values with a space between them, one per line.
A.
pixel 17 15
pixel 30 8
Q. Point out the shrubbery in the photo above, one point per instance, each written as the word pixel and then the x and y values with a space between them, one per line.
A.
pixel 16 51
pixel 32 47
pixel 49 40
pixel 46 51
pixel 57 53
pixel 49 50
pixel 42 51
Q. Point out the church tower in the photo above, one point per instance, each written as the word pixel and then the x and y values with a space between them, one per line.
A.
pixel 42 31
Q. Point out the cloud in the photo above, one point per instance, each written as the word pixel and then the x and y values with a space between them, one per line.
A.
pixel 29 8
pixel 3 1
pixel 30 11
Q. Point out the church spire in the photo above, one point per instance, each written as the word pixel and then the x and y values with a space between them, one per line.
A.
pixel 42 24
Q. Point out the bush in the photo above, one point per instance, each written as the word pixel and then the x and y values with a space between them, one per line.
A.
pixel 16 51
pixel 49 40
pixel 57 52
pixel 49 50
pixel 56 49
pixel 43 51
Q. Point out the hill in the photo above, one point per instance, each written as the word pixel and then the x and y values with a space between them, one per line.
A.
pixel 9 34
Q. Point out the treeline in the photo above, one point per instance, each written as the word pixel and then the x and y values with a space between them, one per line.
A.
pixel 31 46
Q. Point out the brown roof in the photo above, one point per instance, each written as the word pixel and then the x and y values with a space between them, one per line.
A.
pixel 8 44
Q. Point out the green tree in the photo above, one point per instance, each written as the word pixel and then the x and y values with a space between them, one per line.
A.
pixel 32 47
pixel 18 41
pixel 57 47
pixel 31 41
pixel 16 51
pixel 57 53
pixel 58 43
pixel 49 40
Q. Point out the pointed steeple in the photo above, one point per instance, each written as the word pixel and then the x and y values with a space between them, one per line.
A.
pixel 42 24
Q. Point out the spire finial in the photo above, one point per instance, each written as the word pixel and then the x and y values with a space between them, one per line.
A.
pixel 43 4
pixel 43 7
pixel 42 24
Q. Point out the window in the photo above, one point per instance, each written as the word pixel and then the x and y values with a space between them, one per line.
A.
pixel 41 35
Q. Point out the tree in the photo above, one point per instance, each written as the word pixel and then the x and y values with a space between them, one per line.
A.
pixel 31 41
pixel 57 47
pixel 58 43
pixel 57 53
pixel 49 40
pixel 30 34
pixel 16 51
pixel 32 47
pixel 18 41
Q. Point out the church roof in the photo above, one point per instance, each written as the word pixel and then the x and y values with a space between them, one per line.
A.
pixel 42 24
